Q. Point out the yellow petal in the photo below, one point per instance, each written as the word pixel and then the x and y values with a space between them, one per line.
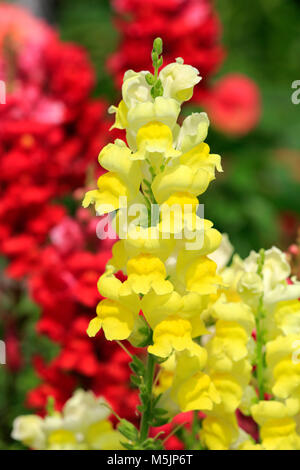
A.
pixel 172 334
pixel 94 326
pixel 117 320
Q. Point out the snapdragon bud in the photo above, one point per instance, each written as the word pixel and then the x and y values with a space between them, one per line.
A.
pixel 158 45
pixel 150 79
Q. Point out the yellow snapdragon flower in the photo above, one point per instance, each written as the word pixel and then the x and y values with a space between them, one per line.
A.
pixel 277 427
pixel 117 313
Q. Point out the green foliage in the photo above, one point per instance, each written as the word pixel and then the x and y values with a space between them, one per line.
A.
pixel 152 414
pixel 89 22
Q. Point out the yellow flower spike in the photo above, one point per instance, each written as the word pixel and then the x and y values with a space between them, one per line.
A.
pixel 178 213
pixel 146 272
pixel 264 411
pixel 198 234
pixel 119 258
pixel 121 115
pixel 219 432
pixel 111 287
pixel 173 334
pixel 202 238
pixel 165 382
pixel 154 137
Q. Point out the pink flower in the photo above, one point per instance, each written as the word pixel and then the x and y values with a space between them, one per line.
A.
pixel 234 105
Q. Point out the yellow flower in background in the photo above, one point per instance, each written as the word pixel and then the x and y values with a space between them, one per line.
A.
pixel 234 312
pixel 219 432
pixel 29 430
pixel 82 425
pixel 283 367
pixel 277 427
pixel 287 317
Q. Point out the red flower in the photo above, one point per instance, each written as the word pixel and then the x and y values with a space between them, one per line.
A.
pixel 190 29
pixel 234 104
pixel 50 130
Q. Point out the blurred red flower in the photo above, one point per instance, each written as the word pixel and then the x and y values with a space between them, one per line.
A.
pixel 190 29
pixel 234 104
pixel 64 285
pixel 50 131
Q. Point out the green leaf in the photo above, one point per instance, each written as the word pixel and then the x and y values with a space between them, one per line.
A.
pixel 128 430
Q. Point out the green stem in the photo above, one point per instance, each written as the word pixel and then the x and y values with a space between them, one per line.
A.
pixel 195 425
pixel 145 423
